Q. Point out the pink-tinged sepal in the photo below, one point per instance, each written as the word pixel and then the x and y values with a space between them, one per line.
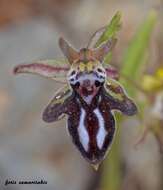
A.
pixel 58 105
pixel 117 98
pixel 47 68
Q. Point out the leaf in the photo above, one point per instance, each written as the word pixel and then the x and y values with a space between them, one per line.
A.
pixel 134 56
pixel 111 29
pixel 95 37
pixel 107 32
pixel 48 68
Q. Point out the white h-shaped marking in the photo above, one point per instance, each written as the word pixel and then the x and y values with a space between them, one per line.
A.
pixel 83 134
pixel 101 131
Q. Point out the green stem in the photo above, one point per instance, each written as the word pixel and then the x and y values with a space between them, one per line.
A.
pixel 112 174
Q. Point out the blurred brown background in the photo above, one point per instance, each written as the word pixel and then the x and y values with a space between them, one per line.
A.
pixel 31 149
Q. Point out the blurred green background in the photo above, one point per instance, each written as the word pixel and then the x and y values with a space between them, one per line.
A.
pixel 31 149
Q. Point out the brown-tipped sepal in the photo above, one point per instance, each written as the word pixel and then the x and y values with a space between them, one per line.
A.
pixel 69 52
